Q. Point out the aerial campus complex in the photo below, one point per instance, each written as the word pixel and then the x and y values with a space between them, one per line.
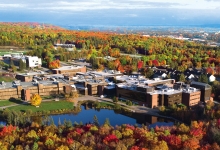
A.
pixel 135 87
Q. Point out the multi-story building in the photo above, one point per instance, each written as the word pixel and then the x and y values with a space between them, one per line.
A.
pixel 69 70
pixel 153 93
pixel 190 95
pixel 205 89
pixel 33 61
pixel 164 97
pixel 136 93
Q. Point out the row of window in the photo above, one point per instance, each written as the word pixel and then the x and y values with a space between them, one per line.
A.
pixel 174 96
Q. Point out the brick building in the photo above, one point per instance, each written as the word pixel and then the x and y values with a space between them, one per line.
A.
pixel 69 70
pixel 153 93
pixel 205 89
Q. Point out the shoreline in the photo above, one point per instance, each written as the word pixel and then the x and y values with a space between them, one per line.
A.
pixel 134 109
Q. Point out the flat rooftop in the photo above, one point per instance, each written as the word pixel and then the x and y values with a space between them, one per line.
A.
pixel 165 92
pixel 68 68
pixel 129 78
pixel 166 89
pixel 201 84
pixel 29 84
pixel 33 73
pixel 157 81
pixel 106 73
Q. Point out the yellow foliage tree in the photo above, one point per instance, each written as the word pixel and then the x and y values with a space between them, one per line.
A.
pixel 36 100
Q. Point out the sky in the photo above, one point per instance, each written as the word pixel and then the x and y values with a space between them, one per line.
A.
pixel 112 12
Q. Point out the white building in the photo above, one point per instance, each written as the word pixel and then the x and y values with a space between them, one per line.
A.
pixel 211 78
pixel 33 61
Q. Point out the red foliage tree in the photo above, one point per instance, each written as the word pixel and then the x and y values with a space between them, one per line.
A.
pixel 155 62
pixel 173 141
pixel 209 70
pixel 197 133
pixel 140 64
pixel 6 130
pixel 110 138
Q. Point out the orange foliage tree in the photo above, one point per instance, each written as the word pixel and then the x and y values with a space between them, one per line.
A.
pixel 54 64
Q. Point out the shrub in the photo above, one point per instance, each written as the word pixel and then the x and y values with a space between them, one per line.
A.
pixel 115 99
pixel 117 106
pixel 36 100
pixel 129 103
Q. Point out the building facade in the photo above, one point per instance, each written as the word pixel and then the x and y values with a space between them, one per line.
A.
pixel 33 61
pixel 205 89
pixel 69 70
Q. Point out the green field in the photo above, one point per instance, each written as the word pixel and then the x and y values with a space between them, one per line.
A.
pixel 9 102
pixel 106 104
pixel 50 105
pixel 6 79
pixel 4 52
pixel 8 51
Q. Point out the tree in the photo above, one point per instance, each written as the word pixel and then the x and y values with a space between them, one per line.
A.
pixel 203 78
pixel 96 121
pixel 36 100
pixel 115 99
pixel 22 65
pixel 181 77
pixel 14 68
pixel 35 146
pixel 149 73
pixel 11 63
pixel 54 64
pixel 107 122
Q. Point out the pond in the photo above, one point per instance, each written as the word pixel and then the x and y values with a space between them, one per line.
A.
pixel 115 117
pixel 86 115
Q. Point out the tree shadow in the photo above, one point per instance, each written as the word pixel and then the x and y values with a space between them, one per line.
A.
pixel 16 101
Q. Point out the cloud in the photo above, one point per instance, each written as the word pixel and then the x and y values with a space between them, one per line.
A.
pixel 111 11
pixel 81 5
pixel 85 5
pixel 11 5
pixel 132 15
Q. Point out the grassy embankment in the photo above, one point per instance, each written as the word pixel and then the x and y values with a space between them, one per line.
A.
pixel 9 102
pixel 44 106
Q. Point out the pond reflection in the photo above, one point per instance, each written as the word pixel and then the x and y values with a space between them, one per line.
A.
pixel 116 117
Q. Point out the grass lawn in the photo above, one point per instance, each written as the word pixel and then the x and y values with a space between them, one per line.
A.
pixel 51 105
pixel 106 104
pixel 8 102
pixel 6 79
pixel 3 52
